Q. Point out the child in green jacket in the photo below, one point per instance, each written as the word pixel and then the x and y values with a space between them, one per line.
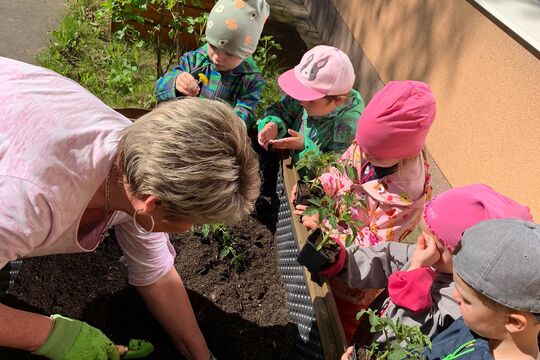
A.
pixel 320 108
pixel 225 64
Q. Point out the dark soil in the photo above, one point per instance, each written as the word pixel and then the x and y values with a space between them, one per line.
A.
pixel 242 312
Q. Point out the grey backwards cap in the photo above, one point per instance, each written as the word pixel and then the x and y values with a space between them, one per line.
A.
pixel 501 259
pixel 236 25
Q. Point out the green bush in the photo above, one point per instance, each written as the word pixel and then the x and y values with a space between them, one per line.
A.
pixel 120 73
pixel 120 67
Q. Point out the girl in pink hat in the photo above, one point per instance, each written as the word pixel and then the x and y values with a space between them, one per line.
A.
pixel 419 277
pixel 394 178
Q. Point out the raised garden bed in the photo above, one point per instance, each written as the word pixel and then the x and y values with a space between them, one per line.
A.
pixel 241 313
pixel 246 313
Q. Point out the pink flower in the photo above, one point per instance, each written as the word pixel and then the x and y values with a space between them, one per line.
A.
pixel 334 183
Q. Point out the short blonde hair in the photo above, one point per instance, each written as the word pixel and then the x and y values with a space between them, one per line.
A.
pixel 195 156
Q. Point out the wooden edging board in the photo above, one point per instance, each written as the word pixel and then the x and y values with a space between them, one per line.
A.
pixel 333 339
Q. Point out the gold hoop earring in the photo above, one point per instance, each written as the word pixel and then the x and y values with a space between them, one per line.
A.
pixel 139 228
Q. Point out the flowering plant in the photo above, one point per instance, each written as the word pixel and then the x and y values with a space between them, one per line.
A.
pixel 338 208
pixel 202 79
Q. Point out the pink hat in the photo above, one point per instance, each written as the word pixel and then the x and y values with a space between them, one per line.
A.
pixel 396 121
pixel 451 213
pixel 323 70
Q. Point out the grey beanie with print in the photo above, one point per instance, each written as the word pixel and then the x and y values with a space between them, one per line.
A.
pixel 236 25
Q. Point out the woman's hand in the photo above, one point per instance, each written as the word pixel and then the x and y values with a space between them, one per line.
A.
pixel 267 134
pixel 85 341
pixel 187 85
pixel 426 253
pixel 294 142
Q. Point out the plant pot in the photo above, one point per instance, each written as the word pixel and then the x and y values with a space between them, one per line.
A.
pixel 317 260
pixel 304 193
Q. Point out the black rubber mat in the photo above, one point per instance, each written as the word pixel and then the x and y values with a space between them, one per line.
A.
pixel 292 274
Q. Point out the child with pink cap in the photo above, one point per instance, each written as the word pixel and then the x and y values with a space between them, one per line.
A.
pixel 419 277
pixel 393 173
pixel 320 108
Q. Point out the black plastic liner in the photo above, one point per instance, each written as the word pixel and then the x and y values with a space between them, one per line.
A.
pixel 8 274
pixel 292 274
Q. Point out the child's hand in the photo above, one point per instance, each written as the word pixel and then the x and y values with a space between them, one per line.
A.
pixel 426 253
pixel 299 210
pixel 295 142
pixel 348 354
pixel 293 193
pixel 187 85
pixel 309 221
pixel 267 134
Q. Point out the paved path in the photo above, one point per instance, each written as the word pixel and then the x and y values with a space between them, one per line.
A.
pixel 24 26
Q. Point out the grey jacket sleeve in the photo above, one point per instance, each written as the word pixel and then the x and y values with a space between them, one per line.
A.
pixel 433 320
pixel 370 267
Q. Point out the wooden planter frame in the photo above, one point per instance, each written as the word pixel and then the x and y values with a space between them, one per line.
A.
pixel 331 331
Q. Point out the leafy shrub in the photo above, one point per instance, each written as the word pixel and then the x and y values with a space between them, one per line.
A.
pixel 120 68
pixel 82 48
pixel 408 341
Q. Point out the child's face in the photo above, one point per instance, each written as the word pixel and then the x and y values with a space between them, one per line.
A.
pixel 222 60
pixel 480 318
pixel 379 162
pixel 321 106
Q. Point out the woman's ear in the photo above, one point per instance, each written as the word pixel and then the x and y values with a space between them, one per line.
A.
pixel 150 204
pixel 516 322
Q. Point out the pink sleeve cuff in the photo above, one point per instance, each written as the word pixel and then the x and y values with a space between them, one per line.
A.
pixel 412 289
pixel 337 265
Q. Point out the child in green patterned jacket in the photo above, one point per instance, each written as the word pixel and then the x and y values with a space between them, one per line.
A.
pixel 223 68
pixel 320 109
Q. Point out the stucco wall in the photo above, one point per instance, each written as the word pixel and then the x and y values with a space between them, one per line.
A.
pixel 487 84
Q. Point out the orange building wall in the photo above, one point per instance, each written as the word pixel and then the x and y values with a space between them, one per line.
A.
pixel 487 86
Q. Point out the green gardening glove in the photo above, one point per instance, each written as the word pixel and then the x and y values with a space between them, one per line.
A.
pixel 76 340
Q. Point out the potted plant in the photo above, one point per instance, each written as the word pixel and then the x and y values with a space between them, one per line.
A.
pixel 309 168
pixel 336 220
pixel 407 341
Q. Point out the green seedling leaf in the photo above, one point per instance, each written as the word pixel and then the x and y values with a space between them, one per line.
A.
pixel 352 173
pixel 316 202
pixel 333 222
pixel 205 229
pixel 397 354
pixel 224 252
